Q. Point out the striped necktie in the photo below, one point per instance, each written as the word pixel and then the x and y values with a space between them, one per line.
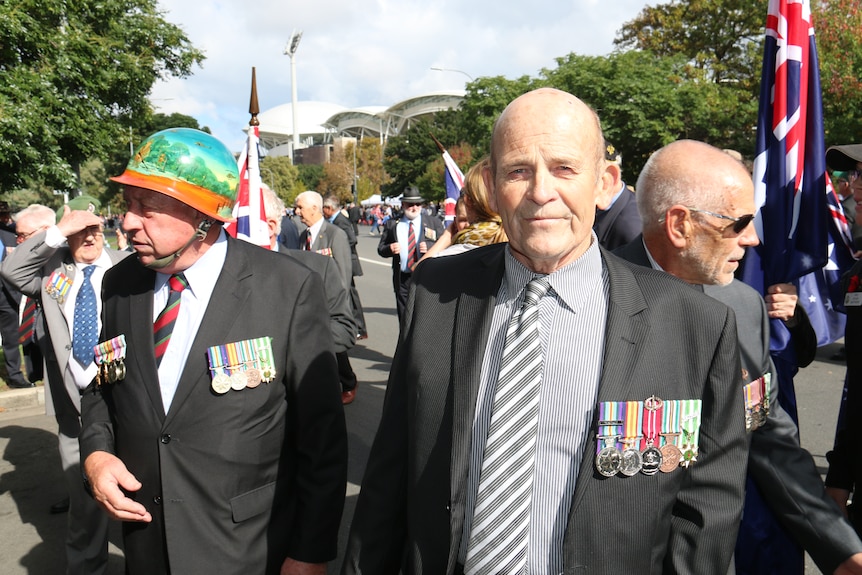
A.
pixel 85 327
pixel 28 321
pixel 501 519
pixel 164 324
pixel 308 241
pixel 411 247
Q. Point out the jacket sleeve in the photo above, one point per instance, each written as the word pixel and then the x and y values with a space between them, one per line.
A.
pixel 708 507
pixel 338 302
pixel 23 267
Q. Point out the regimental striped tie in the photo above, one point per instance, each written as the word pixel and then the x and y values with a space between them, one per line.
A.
pixel 411 247
pixel 85 326
pixel 164 324
pixel 28 321
pixel 501 520
pixel 308 241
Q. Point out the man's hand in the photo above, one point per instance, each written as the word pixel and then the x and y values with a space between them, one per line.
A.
pixel 108 476
pixel 395 247
pixel 781 300
pixel 73 221
pixel 423 247
pixel 853 566
pixel 294 567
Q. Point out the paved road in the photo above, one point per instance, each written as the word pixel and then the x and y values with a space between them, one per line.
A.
pixel 31 539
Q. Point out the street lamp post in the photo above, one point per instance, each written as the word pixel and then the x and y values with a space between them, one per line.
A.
pixel 438 69
pixel 290 50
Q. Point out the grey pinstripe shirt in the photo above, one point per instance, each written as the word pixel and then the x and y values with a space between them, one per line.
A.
pixel 572 325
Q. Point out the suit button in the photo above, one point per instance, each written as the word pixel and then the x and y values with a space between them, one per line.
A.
pixel 166 438
pixel 157 499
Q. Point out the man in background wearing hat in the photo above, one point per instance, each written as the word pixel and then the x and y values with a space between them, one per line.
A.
pixel 62 266
pixel 215 431
pixel 843 183
pixel 405 240
pixel 618 223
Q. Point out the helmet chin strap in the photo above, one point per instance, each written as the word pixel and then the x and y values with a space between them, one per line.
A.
pixel 199 235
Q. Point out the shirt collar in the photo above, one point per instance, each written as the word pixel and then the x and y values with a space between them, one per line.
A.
pixel 200 274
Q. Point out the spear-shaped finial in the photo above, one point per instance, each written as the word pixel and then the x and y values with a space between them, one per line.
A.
pixel 253 107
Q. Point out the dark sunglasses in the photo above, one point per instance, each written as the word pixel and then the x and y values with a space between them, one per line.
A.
pixel 739 224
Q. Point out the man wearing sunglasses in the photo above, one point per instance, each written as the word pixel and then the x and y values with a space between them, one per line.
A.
pixel 697 226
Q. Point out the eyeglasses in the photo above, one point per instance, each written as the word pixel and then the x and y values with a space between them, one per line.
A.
pixel 739 223
pixel 24 236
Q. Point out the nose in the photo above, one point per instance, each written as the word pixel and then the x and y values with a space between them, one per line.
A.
pixel 131 221
pixel 540 186
pixel 748 237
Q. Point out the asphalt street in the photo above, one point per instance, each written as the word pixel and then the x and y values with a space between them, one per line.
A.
pixel 31 539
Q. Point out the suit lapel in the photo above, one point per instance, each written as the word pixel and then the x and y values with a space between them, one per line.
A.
pixel 228 298
pixel 475 309
pixel 624 333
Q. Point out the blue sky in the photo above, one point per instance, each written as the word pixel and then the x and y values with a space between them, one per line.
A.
pixel 370 52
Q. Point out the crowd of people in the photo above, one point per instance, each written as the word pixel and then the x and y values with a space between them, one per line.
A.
pixel 580 384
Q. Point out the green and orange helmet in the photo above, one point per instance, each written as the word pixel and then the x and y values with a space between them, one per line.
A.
pixel 188 165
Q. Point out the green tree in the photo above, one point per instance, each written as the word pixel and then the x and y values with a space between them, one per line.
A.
pixel 485 99
pixel 839 45
pixel 75 74
pixel 282 176
pixel 309 176
pixel 337 174
pixel 371 176
pixel 723 38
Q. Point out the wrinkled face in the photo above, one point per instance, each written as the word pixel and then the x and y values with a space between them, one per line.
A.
pixel 26 227
pixel 716 249
pixel 411 211
pixel 86 245
pixel 547 180
pixel 328 211
pixel 157 225
pixel 307 211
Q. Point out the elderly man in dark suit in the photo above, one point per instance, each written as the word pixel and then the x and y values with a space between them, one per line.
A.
pixel 509 440
pixel 395 242
pixel 329 240
pixel 618 223
pixel 334 214
pixel 73 251
pixel 699 234
pixel 214 430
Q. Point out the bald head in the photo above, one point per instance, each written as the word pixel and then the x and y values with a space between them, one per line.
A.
pixel 696 203
pixel 546 176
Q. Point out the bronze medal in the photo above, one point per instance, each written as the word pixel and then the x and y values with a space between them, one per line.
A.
pixel 121 370
pixel 253 376
pixel 671 456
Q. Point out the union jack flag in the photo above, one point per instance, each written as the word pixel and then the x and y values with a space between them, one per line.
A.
pixel 454 183
pixel 249 211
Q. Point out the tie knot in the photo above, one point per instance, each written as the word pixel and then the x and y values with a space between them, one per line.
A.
pixel 178 282
pixel 536 288
pixel 88 272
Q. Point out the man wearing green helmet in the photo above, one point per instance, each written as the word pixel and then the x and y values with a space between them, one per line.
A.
pixel 214 429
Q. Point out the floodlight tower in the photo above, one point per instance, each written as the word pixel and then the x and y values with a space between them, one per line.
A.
pixel 290 50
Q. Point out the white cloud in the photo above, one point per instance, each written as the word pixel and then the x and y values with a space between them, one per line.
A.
pixel 370 52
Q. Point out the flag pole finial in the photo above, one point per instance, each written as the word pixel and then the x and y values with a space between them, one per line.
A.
pixel 253 107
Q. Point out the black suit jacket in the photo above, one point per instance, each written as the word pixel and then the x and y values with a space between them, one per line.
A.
pixel 785 473
pixel 620 224
pixel 661 338
pixel 343 223
pixel 234 482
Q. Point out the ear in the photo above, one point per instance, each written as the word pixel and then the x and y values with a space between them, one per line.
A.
pixel 610 183
pixel 274 228
pixel 677 226
pixel 488 178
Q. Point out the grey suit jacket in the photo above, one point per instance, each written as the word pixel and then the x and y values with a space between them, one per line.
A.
pixel 785 472
pixel 661 338
pixel 234 482
pixel 28 268
pixel 332 241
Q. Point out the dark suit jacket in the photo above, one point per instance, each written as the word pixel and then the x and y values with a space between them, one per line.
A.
pixel 341 321
pixel 785 473
pixel 333 242
pixel 234 482
pixel 28 268
pixel 620 224
pixel 661 338
pixel 343 223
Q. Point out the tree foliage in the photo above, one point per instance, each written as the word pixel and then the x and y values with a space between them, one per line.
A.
pixel 283 177
pixel 74 76
pixel 838 25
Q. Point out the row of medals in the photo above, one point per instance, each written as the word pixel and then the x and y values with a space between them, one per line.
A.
pixel 631 461
pixel 239 380
pixel 111 372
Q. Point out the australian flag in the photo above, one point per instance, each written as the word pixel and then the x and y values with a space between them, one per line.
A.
pixel 793 225
pixel 250 224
